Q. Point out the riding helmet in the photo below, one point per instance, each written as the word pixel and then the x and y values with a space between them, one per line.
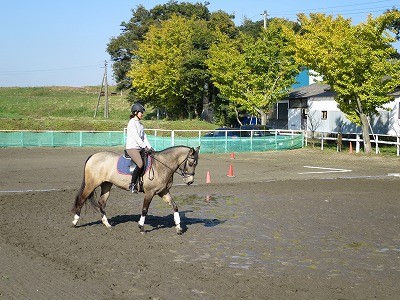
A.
pixel 137 107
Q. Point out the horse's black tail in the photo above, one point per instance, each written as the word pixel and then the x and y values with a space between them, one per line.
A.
pixel 78 196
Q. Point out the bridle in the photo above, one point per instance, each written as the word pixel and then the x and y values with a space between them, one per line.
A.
pixel 183 172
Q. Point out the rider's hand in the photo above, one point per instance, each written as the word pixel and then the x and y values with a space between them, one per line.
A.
pixel 149 151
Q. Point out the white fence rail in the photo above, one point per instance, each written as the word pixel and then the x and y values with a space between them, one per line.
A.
pixel 228 140
pixel 356 138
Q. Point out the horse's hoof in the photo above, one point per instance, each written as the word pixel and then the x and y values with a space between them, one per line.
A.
pixel 75 221
pixel 141 229
pixel 179 231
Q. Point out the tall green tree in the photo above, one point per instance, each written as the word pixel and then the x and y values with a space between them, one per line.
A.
pixel 255 72
pixel 168 70
pixel 356 60
pixel 122 47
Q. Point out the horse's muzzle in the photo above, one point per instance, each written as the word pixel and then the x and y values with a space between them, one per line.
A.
pixel 189 180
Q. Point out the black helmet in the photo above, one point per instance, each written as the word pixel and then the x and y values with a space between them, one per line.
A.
pixel 137 107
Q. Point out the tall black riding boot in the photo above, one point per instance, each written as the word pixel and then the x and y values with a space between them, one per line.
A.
pixel 135 175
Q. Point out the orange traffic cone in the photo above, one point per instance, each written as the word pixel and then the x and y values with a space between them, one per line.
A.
pixel 351 148
pixel 233 155
pixel 208 177
pixel 230 172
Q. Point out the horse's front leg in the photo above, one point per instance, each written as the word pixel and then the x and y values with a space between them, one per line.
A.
pixel 146 203
pixel 168 198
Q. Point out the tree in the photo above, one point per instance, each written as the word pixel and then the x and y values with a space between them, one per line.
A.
pixel 255 72
pixel 251 28
pixel 394 26
pixel 394 23
pixel 354 60
pixel 122 47
pixel 223 22
pixel 168 70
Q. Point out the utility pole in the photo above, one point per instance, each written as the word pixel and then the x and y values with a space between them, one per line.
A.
pixel 265 18
pixel 104 83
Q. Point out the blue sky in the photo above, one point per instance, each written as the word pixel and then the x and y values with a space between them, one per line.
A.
pixel 63 43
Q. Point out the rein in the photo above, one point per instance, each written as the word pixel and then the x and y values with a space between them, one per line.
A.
pixel 182 173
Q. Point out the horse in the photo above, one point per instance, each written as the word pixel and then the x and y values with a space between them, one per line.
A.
pixel 100 170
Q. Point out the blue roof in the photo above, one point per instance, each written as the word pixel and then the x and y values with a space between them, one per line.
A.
pixel 302 79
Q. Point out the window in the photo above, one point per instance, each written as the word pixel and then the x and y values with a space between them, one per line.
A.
pixel 304 113
pixel 282 111
pixel 324 115
pixel 298 103
pixel 398 109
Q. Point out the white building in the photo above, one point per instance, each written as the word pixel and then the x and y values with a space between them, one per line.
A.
pixel 313 108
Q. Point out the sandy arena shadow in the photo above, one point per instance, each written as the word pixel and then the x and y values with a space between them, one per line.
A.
pixel 157 222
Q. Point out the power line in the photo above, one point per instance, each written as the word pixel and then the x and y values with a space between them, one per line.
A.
pixel 330 7
pixel 24 72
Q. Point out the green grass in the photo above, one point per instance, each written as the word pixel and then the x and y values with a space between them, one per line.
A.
pixel 69 108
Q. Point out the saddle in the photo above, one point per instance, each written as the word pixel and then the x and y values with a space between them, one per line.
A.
pixel 125 165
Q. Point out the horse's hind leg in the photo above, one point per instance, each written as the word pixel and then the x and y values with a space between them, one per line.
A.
pixel 168 198
pixel 105 193
pixel 80 199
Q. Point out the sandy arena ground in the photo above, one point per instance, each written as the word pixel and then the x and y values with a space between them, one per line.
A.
pixel 301 224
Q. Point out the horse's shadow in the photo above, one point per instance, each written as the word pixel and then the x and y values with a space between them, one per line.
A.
pixel 160 222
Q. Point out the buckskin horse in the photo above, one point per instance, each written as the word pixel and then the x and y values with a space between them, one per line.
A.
pixel 100 170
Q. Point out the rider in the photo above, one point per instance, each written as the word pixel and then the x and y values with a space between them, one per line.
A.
pixel 136 141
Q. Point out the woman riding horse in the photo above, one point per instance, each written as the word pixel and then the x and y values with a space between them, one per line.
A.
pixel 136 142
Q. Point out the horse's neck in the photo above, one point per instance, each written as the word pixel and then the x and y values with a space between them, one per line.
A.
pixel 175 158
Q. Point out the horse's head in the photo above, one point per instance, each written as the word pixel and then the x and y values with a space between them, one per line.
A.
pixel 189 165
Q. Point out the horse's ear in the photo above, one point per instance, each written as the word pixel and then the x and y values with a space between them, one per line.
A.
pixel 197 149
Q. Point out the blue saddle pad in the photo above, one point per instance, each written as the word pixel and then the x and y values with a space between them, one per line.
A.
pixel 124 164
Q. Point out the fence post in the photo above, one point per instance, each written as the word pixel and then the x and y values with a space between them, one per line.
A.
pixel 52 138
pixel 251 140
pixel 306 138
pixel 155 146
pixel 173 138
pixel 292 136
pixel 226 141
pixel 377 145
pixel 398 148
pixel 322 143
pixel 357 143
pixel 22 139
pixel 80 138
pixel 199 137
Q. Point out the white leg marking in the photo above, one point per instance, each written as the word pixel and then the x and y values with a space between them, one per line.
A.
pixel 105 221
pixel 141 221
pixel 177 219
pixel 75 221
